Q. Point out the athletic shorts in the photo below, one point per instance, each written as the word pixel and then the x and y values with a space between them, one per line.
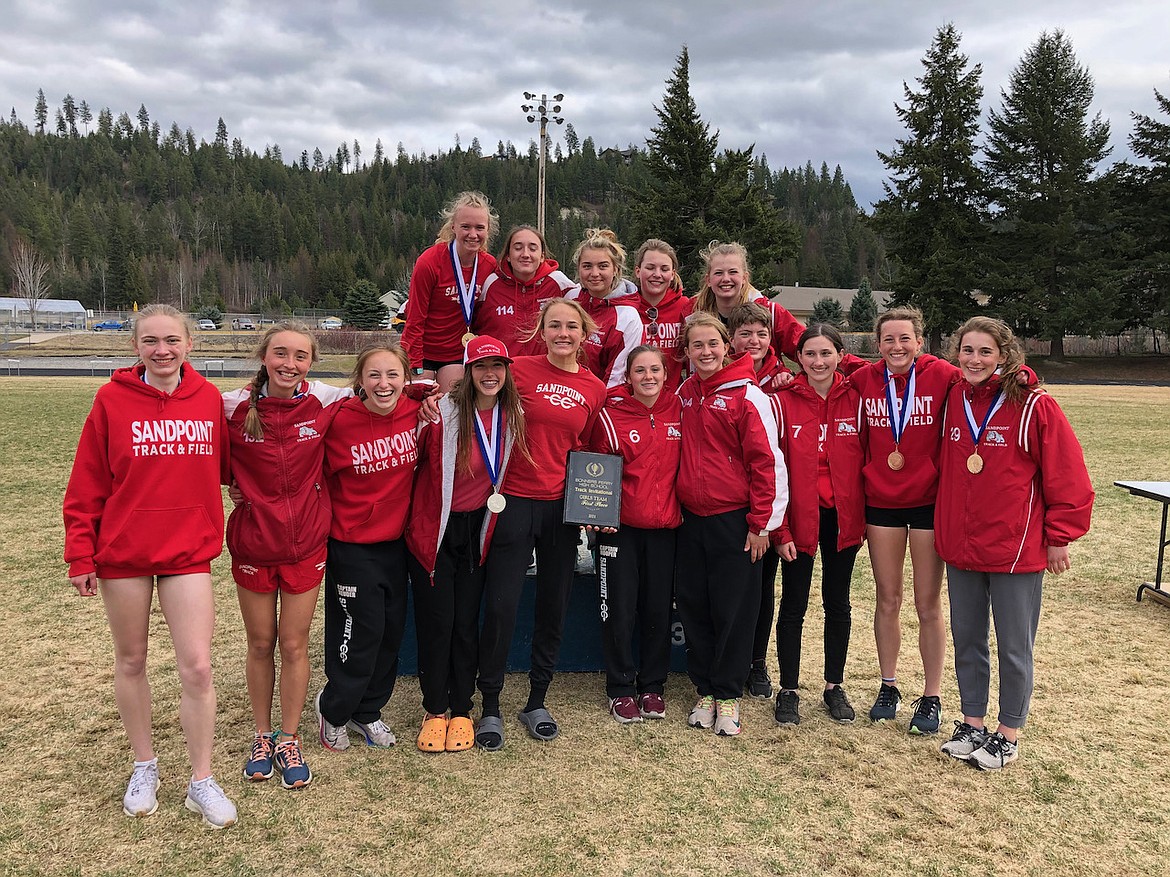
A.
pixel 434 364
pixel 292 578
pixel 918 518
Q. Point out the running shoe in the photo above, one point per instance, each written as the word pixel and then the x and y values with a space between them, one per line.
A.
pixel 927 715
pixel 333 737
pixel 290 761
pixel 377 734
pixel 624 710
pixel 141 798
pixel 759 683
pixel 259 764
pixel 965 740
pixel 208 800
pixel 886 706
pixel 727 718
pixel 651 705
pixel 838 705
pixel 997 752
pixel 787 709
pixel 703 713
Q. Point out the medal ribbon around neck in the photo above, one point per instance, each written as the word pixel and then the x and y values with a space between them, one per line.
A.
pixel 977 432
pixel 466 291
pixel 899 418
pixel 491 448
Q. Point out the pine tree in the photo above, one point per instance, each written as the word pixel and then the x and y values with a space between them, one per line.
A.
pixel 86 115
pixel 935 199
pixel 363 306
pixel 1145 192
pixel 828 310
pixel 863 308
pixel 69 110
pixel 696 195
pixel 42 111
pixel 1047 277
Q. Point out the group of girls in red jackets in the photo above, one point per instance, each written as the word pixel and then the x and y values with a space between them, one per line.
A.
pixel 732 466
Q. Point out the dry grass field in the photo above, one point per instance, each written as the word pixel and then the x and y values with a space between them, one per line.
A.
pixel 1088 796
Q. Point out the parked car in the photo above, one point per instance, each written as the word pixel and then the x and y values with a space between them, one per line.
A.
pixel 110 325
pixel 245 323
pixel 205 325
pixel 329 323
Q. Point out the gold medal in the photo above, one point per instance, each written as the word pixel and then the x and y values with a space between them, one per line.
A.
pixel 895 461
pixel 975 463
pixel 468 337
pixel 496 503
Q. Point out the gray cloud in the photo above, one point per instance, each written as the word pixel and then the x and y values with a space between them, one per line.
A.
pixel 815 82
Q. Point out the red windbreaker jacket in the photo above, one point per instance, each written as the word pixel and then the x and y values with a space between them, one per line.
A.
pixel 1034 490
pixel 619 330
pixel 649 441
pixel 807 421
pixel 508 309
pixel 434 319
pixel 730 455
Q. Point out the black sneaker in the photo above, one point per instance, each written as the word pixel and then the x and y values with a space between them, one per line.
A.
pixel 787 709
pixel 927 714
pixel 759 683
pixel 886 706
pixel 838 705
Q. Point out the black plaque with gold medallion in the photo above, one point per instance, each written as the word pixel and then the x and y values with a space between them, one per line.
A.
pixel 593 489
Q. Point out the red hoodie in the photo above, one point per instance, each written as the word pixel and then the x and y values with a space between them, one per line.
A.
pixel 786 329
pixel 673 311
pixel 434 487
pixel 916 483
pixel 812 428
pixel 730 454
pixel 434 318
pixel 508 309
pixel 369 468
pixel 559 410
pixel 619 330
pixel 649 441
pixel 286 513
pixel 769 373
pixel 144 497
pixel 1033 492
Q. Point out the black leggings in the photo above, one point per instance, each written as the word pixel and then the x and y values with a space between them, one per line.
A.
pixel 795 585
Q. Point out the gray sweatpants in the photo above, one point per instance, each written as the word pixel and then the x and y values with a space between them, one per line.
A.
pixel 1014 603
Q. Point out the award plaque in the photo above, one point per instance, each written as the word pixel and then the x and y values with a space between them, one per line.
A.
pixel 593 489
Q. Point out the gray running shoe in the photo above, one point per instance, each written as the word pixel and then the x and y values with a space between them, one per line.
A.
pixel 208 800
pixel 141 798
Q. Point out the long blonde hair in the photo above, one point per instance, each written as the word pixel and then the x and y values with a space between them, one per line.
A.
pixel 588 324
pixel 253 422
pixel 705 300
pixel 161 310
pixel 603 239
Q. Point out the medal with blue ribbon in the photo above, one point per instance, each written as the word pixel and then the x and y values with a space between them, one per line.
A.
pixel 899 417
pixel 491 448
pixel 466 291
pixel 975 462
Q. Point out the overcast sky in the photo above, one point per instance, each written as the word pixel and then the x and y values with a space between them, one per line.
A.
pixel 799 80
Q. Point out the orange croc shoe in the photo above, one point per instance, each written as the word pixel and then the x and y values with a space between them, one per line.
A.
pixel 433 736
pixel 460 734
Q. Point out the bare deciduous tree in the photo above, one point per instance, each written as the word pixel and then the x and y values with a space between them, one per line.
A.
pixel 29 268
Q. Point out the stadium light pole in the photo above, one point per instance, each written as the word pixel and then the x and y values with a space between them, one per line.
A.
pixel 539 112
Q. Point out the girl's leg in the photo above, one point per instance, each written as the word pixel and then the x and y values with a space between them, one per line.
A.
pixel 469 584
pixel 393 582
pixel 836 578
pixel 733 587
pixel 1015 607
pixel 296 617
pixel 434 614
pixel 259 614
pixel 556 561
pixel 887 554
pixel 763 634
pixel 354 621
pixel 693 603
pixel 932 632
pixel 188 604
pixel 618 587
pixel 970 629
pixel 654 599
pixel 795 584
pixel 127 603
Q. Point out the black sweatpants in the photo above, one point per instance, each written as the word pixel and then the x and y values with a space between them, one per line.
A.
pixel 446 617
pixel 523 525
pixel 365 613
pixel 771 566
pixel 717 588
pixel 635 580
pixel 795 586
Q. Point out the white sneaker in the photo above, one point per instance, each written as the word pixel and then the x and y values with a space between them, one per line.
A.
pixel 702 713
pixel 997 753
pixel 208 800
pixel 376 733
pixel 333 737
pixel 141 797
pixel 727 718
pixel 965 740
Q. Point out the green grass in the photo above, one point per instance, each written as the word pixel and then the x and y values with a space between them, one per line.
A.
pixel 1088 795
